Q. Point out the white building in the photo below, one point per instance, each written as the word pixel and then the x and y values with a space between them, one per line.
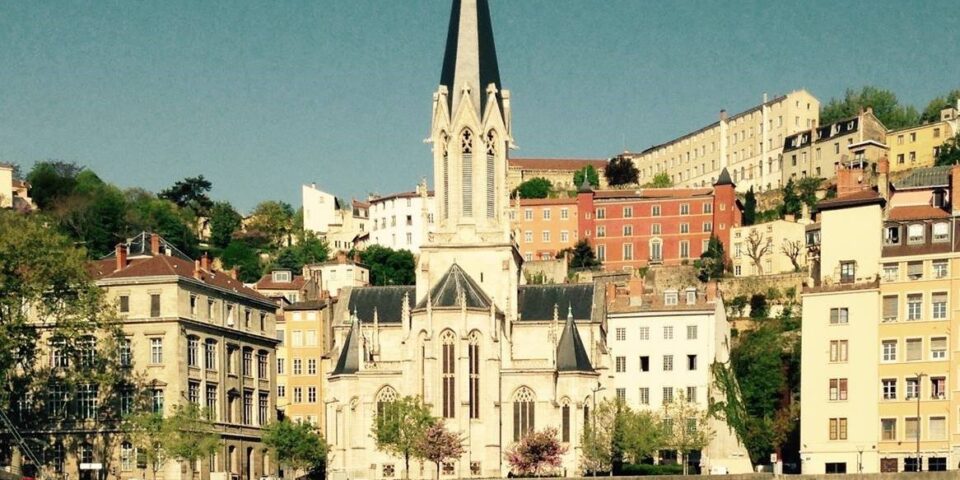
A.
pixel 402 220
pixel 336 275
pixel 344 226
pixel 662 345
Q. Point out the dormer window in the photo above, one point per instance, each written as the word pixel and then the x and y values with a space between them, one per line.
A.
pixel 915 233
pixel 891 235
pixel 282 276
pixel 941 231
pixel 670 297
pixel 691 296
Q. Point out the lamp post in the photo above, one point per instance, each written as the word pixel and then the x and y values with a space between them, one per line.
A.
pixel 919 378
pixel 598 388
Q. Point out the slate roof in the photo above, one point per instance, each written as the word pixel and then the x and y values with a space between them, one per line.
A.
pixel 386 301
pixel 349 360
pixel 536 302
pixel 925 178
pixel 470 51
pixel 447 292
pixel 724 178
pixel 571 356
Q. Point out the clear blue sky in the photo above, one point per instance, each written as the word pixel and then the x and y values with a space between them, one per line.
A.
pixel 261 97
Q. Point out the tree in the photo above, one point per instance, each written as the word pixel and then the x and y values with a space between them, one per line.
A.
pixel 151 434
pixel 756 247
pixel 50 180
pixel 791 201
pixel 793 249
pixel 660 180
pixel 583 256
pixel 310 249
pixel 536 187
pixel 885 106
pixel 148 213
pixel 438 445
pixel 712 262
pixel 806 189
pixel 388 266
pixel 949 153
pixel 275 220
pixel 297 444
pixel 224 222
pixel 642 436
pixel 686 427
pixel 94 214
pixel 758 306
pixel 737 305
pixel 240 254
pixel 192 434
pixel 932 111
pixel 591 175
pixel 749 207
pixel 620 170
pixel 399 427
pixel 191 192
pixel 597 442
pixel 535 452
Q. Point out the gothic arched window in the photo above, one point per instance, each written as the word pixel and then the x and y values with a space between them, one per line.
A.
pixel 445 153
pixel 565 421
pixel 386 401
pixel 491 171
pixel 523 413
pixel 466 149
pixel 474 361
pixel 447 340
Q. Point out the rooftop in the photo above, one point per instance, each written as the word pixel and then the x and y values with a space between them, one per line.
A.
pixel 927 177
pixel 571 164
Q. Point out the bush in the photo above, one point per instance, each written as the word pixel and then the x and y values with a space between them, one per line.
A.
pixel 643 469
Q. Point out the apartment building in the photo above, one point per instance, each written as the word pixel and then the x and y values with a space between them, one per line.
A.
pixel 328 279
pixel 198 335
pixel 919 146
pixel 559 171
pixel 629 229
pixel 402 220
pixel 820 152
pixel 545 226
pixel 343 225
pixel 663 343
pixel 770 248
pixel 748 144
pixel 305 336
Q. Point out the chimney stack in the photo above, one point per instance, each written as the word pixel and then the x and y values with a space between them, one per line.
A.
pixel 955 189
pixel 196 269
pixel 121 256
pixel 233 273
pixel 883 178
pixel 723 115
pixel 205 262
pixel 341 257
pixel 154 244
pixel 711 292
pixel 850 180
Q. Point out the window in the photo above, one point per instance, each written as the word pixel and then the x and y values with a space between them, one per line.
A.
pixel 565 422
pixel 889 388
pixel 839 316
pixel 447 339
pixel 888 428
pixel 914 349
pixel 667 395
pixel 601 213
pixel 939 310
pixel 644 363
pixel 938 348
pixel 156 400
pixel 564 236
pixel 473 359
pixel 684 246
pixel 936 464
pixel 938 388
pixel 668 333
pixel 848 272
pixel 691 362
pixel 838 389
pixel 915 270
pixel 913 388
pixel 124 303
pixel 915 233
pixel 601 231
pixel 911 431
pixel 193 351
pixel 691 332
pixel 941 232
pixel 838 350
pixel 311 394
pixel 655 211
pixel 707 208
pixel 155 305
pixel 247 418
pixel 212 400
pixel 838 429
pixel 889 350
pixel 622 394
pixel 156 351
pixel 644 333
pixel 621 334
pixel 621 364
pixel 247 362
pixel 297 366
pixel 564 213
pixel 668 363
pixel 210 355
pixel 891 235
pixel 692 394
pixel 523 413
pixel 914 306
pixel 655 229
pixel 940 269
pixel 835 467
pixel 127 456
pixel 684 228
pixel 891 308
pixel 87 401
pixel 528 237
pixel 126 353
pixel 627 230
pixel 627 212
pixel 644 396
pixel 669 298
pixel 311 366
pixel 707 228
pixel 601 252
pixel 262 365
pixel 297 394
pixel 628 251
pixel 684 209
pixel 891 272
pixel 546 236
pixel 281 391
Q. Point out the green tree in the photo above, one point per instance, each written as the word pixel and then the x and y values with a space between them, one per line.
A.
pixel 713 262
pixel 949 153
pixel 191 192
pixel 598 448
pixel 224 222
pixel 240 254
pixel 534 188
pixel 591 175
pixel 807 188
pixel 885 106
pixel 660 180
pixel 932 111
pixel 643 436
pixel 388 266
pixel 620 170
pixel 51 180
pixel 94 214
pixel 310 249
pixel 399 426
pixel 438 445
pixel 192 434
pixel 150 434
pixel 758 306
pixel 148 213
pixel 275 220
pixel 298 445
pixel 686 428
pixel 749 207
pixel 738 305
pixel 792 205
pixel 582 255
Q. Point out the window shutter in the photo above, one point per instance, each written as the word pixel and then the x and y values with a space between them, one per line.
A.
pixel 915 269
pixel 940 229
pixel 913 350
pixel 890 307
pixel 940 297
pixel 938 343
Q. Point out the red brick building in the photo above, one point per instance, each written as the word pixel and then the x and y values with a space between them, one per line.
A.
pixel 635 228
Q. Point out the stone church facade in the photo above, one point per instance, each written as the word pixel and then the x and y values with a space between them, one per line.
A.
pixel 493 358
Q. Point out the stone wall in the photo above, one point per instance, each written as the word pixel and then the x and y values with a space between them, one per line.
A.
pixel 553 271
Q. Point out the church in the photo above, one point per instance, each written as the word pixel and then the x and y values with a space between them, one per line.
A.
pixel 493 358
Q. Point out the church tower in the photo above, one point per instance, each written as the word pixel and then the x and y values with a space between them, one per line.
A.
pixel 470 134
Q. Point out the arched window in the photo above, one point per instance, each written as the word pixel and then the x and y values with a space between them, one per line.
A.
pixel 447 340
pixel 474 360
pixel 385 402
pixel 466 149
pixel 422 343
pixel 445 153
pixel 523 413
pixel 565 421
pixel 127 456
pixel 586 413
pixel 491 171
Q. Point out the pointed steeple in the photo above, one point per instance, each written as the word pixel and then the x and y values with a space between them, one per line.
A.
pixel 470 59
pixel 571 355
pixel 349 360
pixel 724 178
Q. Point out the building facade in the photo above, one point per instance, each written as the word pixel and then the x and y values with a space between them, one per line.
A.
pixel 768 248
pixel 305 335
pixel 559 171
pixel 917 147
pixel 820 152
pixel 747 144
pixel 545 226
pixel 344 226
pixel 401 221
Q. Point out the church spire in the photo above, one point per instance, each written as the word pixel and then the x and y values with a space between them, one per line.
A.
pixel 470 60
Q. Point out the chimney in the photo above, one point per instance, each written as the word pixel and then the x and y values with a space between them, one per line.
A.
pixel 850 180
pixel 121 256
pixel 196 269
pixel 883 177
pixel 205 262
pixel 955 189
pixel 791 217
pixel 233 273
pixel 711 292
pixel 723 115
pixel 341 257
pixel 154 244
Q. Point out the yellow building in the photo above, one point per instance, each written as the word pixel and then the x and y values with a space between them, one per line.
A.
pixel 820 152
pixel 748 144
pixel 559 171
pixel 769 248
pixel 918 146
pixel 304 331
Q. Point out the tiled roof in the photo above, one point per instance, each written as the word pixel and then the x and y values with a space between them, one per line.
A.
pixel 916 212
pixel 863 197
pixel 925 178
pixel 266 283
pixel 654 193
pixel 532 202
pixel 571 164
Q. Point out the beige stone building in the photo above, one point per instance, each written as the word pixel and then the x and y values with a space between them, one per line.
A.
pixel 768 248
pixel 305 335
pixel 14 192
pixel 559 171
pixel 190 334
pixel 819 152
pixel 748 144
pixel 916 147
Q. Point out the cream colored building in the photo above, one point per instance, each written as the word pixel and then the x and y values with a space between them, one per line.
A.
pixel 305 336
pixel 14 193
pixel 919 146
pixel 401 221
pixel 770 244
pixel 342 225
pixel 559 171
pixel 820 152
pixel 748 144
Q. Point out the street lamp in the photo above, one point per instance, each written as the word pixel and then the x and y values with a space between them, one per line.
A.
pixel 598 388
pixel 919 377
